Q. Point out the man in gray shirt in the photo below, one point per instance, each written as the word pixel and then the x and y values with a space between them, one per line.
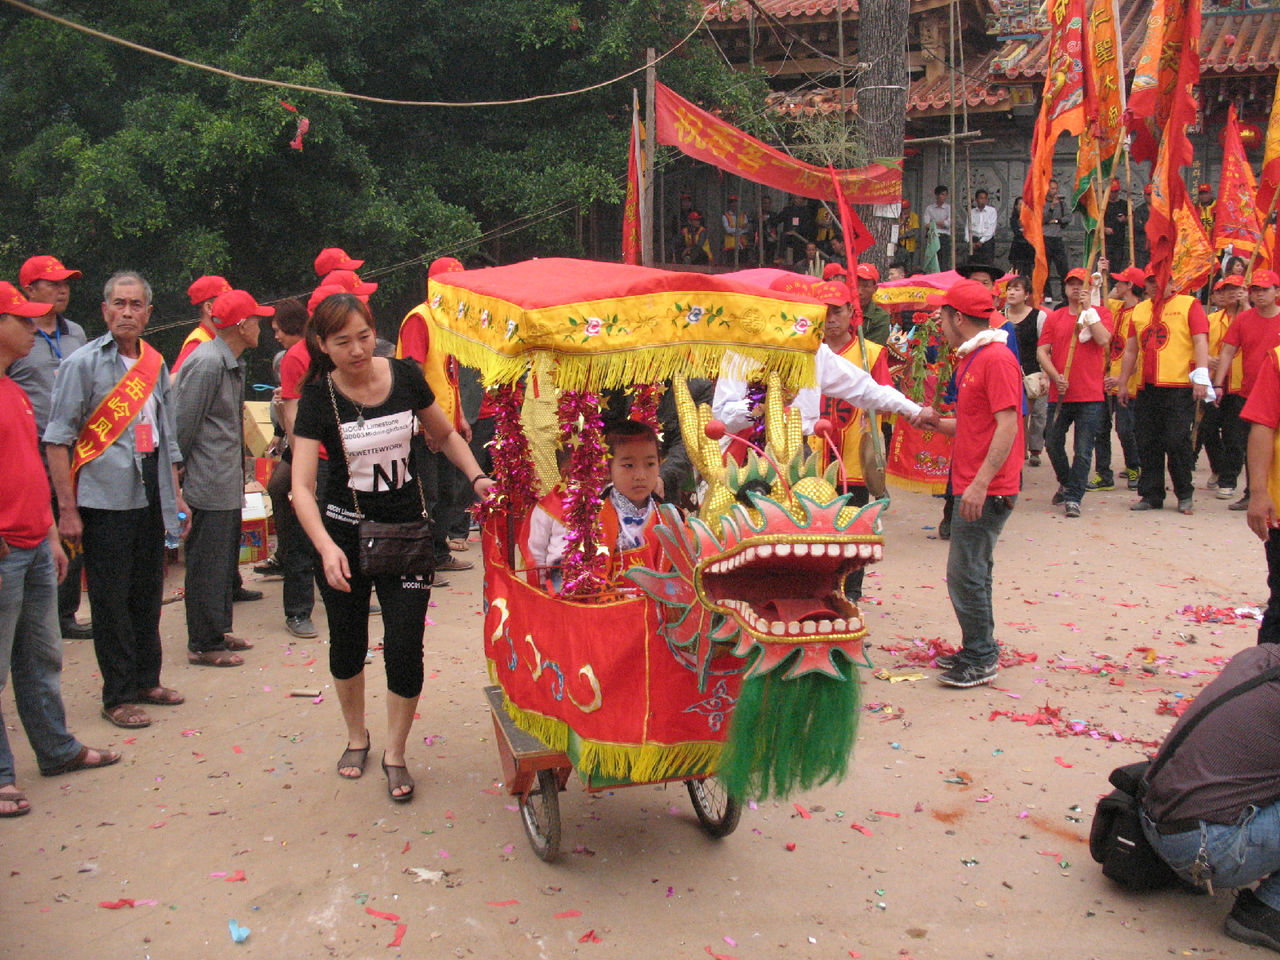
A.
pixel 45 280
pixel 209 392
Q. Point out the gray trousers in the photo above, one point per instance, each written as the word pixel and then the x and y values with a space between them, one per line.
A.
pixel 213 564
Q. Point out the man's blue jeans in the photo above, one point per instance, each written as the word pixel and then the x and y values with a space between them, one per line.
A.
pixel 1238 854
pixel 969 566
pixel 31 650
pixel 1087 417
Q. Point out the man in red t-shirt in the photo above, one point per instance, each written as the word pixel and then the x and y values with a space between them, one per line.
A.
pixel 1072 351
pixel 31 565
pixel 986 471
pixel 1254 334
pixel 1262 411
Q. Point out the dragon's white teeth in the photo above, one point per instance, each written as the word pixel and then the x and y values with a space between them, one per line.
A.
pixel 783 549
pixel 864 550
pixel 833 550
pixel 765 551
pixel 854 626
pixel 809 626
pixel 838 625
pixel 850 549
pixel 877 551
pixel 777 628
pixel 824 626
pixel 793 628
pixel 748 554
pixel 802 549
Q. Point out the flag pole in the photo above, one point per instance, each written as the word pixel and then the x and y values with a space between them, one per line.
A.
pixel 1262 238
pixel 1128 199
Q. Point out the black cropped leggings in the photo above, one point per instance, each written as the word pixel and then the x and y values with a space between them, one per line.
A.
pixel 404 603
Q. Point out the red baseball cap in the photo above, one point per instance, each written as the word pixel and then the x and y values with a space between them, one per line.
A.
pixel 206 288
pixel 1131 274
pixel 833 292
pixel 320 293
pixel 733 197
pixel 833 270
pixel 13 303
pixel 1264 278
pixel 1234 280
pixel 349 282
pixel 444 265
pixel 335 258
pixel 1076 273
pixel 1115 183
pixel 867 271
pixel 906 204
pixel 1204 188
pixel 693 215
pixel 967 296
pixel 236 306
pixel 45 268
pixel 1148 188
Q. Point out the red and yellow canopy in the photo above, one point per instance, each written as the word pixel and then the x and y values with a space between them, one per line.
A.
pixel 608 324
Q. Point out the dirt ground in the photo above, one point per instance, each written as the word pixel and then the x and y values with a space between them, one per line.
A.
pixel 229 809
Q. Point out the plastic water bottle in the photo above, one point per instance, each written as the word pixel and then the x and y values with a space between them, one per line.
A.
pixel 172 542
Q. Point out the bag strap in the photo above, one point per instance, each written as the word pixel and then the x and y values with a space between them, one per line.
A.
pixel 1181 735
pixel 337 420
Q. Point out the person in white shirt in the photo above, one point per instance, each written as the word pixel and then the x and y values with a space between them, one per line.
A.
pixel 939 214
pixel 981 229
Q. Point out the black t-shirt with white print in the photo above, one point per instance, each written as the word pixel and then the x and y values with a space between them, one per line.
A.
pixel 378 462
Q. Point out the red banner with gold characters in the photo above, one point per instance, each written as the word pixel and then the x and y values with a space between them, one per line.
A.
pixel 706 137
pixel 600 681
pixel 118 408
pixel 1235 218
pixel 919 460
pixel 1270 182
pixel 1061 111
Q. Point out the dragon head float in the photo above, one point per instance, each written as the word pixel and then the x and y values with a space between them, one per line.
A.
pixel 761 570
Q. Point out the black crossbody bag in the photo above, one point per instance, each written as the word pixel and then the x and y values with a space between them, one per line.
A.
pixel 1116 839
pixel 399 549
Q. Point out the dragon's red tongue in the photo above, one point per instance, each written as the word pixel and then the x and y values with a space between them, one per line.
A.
pixel 795 609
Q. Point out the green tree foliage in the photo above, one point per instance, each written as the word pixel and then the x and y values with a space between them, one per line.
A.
pixel 119 159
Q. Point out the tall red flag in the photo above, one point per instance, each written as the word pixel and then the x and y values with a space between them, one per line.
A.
pixel 1235 221
pixel 1270 181
pixel 631 237
pixel 1061 111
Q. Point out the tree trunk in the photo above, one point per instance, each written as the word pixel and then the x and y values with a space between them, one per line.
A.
pixel 882 99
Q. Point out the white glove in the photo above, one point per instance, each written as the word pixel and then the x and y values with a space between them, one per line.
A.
pixel 1088 317
pixel 1200 375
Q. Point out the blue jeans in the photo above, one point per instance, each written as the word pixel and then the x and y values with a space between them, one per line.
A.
pixel 969 565
pixel 1086 416
pixel 1237 854
pixel 31 650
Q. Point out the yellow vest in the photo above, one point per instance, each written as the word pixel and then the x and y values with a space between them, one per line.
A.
pixel 850 422
pixel 436 367
pixel 1219 321
pixel 1169 341
pixel 736 221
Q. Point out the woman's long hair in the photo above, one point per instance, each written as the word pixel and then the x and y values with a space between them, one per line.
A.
pixel 331 315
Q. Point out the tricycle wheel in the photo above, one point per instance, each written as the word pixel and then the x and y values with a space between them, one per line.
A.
pixel 540 813
pixel 717 811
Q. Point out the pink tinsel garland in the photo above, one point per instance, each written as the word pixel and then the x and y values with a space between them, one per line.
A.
pixel 513 467
pixel 582 432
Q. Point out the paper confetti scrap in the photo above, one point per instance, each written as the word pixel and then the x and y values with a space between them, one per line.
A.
pixel 393 917
pixel 239 934
pixel 590 937
pixel 401 928
pixel 568 914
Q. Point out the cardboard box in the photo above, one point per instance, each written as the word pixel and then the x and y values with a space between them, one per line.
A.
pixel 254 544
pixel 258 430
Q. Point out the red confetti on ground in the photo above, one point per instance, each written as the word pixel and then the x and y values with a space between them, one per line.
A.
pixel 791 847
pixel 924 652
pixel 589 937
pixel 720 956
pixel 1208 614
pixel 860 828
pixel 885 813
pixel 406 847
pixel 116 905
pixel 1174 708
pixel 502 903
pixel 237 749
pixel 310 662
pixel 568 914
pixel 1048 716
pixel 393 917
pixel 1062 763
pixel 237 877
pixel 802 811
pixel 401 929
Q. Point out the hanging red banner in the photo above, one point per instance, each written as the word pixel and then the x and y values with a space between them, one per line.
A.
pixel 706 137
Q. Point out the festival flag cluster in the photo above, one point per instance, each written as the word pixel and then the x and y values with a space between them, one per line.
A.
pixel 1235 222
pixel 1103 136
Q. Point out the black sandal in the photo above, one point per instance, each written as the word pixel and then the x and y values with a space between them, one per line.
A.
pixel 351 757
pixel 397 777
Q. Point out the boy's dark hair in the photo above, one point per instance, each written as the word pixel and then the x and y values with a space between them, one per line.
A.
pixel 630 430
pixel 940 188
pixel 291 316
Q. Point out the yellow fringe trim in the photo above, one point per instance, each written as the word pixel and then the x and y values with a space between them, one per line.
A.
pixel 640 763
pixel 915 486
pixel 603 370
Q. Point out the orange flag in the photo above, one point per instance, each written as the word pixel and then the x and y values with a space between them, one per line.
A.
pixel 1061 111
pixel 631 238
pixel 1235 222
pixel 1270 181
pixel 1103 134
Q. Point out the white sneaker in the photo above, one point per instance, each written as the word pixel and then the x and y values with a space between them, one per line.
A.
pixel 1226 493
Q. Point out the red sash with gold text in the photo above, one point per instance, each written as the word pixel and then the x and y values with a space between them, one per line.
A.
pixel 119 408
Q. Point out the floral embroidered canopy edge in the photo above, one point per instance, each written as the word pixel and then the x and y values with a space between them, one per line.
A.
pixel 611 325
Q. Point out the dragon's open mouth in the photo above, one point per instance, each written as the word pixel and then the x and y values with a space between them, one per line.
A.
pixel 790 588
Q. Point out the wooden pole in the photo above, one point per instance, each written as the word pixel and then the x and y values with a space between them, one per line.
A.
pixel 650 139
pixel 1128 199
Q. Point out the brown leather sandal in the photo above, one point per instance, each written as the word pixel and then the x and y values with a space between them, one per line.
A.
pixel 81 761
pixel 17 797
pixel 126 716
pixel 161 697
pixel 214 658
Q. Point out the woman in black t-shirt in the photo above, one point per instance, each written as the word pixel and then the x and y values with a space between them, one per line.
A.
pixel 1028 321
pixel 380 404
